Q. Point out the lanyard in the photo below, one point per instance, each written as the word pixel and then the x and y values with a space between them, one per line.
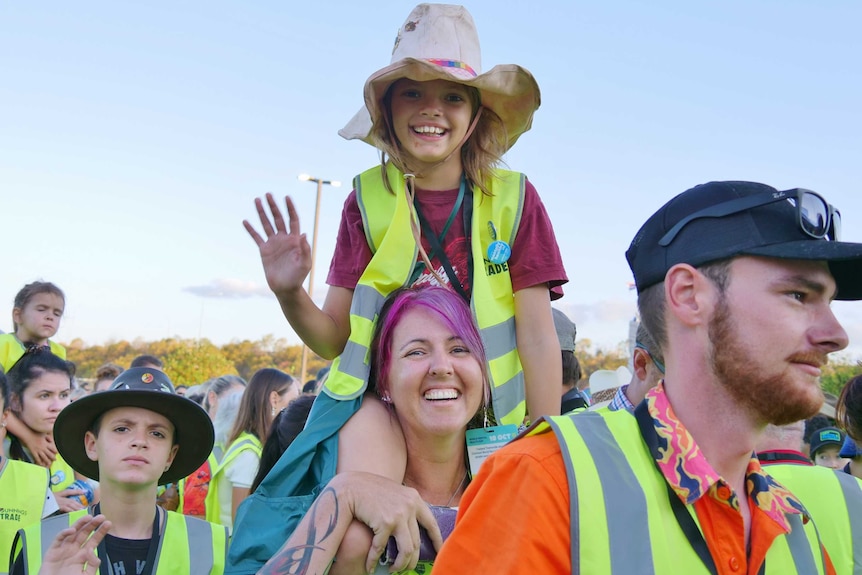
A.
pixel 107 568
pixel 464 191
pixel 683 517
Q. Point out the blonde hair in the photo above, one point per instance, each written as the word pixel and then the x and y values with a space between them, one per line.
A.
pixel 481 154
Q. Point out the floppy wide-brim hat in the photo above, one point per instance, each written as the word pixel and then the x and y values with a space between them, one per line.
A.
pixel 148 389
pixel 440 42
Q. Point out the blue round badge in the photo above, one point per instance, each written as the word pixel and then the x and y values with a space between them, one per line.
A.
pixel 499 252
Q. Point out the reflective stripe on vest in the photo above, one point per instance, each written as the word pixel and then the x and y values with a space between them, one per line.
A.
pixel 834 501
pixel 22 495
pixel 386 218
pixel 188 545
pixel 621 521
pixel 244 441
pixel 852 491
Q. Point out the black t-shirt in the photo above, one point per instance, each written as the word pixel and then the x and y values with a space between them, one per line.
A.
pixel 128 556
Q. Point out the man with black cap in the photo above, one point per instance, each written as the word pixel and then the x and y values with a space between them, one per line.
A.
pixel 137 435
pixel 735 282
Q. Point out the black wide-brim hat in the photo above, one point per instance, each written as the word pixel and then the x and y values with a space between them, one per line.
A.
pixel 148 389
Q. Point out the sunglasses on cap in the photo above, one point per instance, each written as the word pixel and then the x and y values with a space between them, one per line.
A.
pixel 816 217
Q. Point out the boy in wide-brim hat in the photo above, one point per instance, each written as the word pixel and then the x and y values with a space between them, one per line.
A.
pixel 137 435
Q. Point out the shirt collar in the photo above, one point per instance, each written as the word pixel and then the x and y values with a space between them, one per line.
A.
pixel 691 476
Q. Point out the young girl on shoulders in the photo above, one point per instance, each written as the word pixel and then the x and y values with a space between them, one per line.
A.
pixel 36 314
pixel 436 210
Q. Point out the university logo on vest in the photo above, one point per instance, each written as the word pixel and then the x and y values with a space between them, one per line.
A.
pixel 12 514
pixel 493 269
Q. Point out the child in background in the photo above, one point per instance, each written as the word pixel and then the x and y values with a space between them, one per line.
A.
pixel 268 392
pixel 36 314
pixel 826 444
pixel 24 488
pixel 135 436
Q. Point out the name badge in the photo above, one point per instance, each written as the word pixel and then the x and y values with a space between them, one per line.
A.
pixel 483 442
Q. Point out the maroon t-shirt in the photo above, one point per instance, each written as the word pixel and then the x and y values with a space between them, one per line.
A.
pixel 535 255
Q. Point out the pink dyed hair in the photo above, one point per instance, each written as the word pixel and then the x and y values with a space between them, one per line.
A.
pixel 443 303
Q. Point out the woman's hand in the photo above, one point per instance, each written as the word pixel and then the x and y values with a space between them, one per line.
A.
pixel 73 550
pixel 68 501
pixel 286 255
pixel 390 510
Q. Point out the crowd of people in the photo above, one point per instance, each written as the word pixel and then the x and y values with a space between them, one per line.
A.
pixel 454 429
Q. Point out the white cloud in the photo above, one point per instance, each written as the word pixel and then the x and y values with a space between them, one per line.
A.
pixel 229 288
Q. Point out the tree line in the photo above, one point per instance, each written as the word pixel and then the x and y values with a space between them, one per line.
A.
pixel 193 361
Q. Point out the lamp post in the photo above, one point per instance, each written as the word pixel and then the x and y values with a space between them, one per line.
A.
pixel 320 183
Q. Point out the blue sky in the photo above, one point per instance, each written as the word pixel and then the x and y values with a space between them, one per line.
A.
pixel 134 137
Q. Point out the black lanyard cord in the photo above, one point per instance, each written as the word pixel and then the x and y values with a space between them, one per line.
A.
pixel 680 511
pixel 465 199
pixel 106 568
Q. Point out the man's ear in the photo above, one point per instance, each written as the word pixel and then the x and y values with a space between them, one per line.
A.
pixel 690 296
pixel 90 446
pixel 640 360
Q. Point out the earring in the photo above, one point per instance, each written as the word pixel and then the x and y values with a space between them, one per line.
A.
pixel 386 399
pixel 272 412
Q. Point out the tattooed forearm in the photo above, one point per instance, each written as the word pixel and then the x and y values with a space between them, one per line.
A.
pixel 309 557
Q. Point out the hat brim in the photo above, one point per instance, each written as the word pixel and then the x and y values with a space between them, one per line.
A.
pixel 193 430
pixel 510 91
pixel 844 259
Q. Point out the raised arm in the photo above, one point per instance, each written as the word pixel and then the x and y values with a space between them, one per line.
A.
pixel 539 350
pixel 286 257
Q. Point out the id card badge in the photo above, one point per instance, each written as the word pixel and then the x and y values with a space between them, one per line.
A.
pixel 482 442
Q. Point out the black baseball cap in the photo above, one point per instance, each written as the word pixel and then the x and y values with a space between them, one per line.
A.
pixel 824 437
pixel 711 222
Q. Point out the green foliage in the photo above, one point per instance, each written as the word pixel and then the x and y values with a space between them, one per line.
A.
pixel 836 373
pixel 193 361
pixel 592 360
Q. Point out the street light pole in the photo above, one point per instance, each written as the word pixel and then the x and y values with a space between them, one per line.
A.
pixel 320 183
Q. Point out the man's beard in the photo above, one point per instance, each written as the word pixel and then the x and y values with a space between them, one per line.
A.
pixel 771 398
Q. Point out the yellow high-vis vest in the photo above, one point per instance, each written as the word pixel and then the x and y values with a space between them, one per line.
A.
pixel 621 518
pixel 22 498
pixel 244 442
pixel 187 545
pixel 834 499
pixel 11 350
pixel 386 219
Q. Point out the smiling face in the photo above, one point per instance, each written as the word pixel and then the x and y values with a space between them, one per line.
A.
pixel 435 383
pixel 39 319
pixel 43 399
pixel 431 118
pixel 771 334
pixel 134 446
